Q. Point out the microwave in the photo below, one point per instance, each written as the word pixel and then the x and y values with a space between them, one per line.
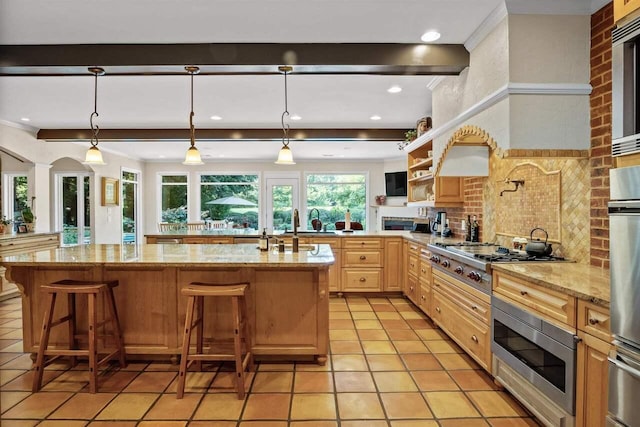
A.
pixel 626 89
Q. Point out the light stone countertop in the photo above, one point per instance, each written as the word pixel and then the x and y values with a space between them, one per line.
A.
pixel 14 236
pixel 579 280
pixel 238 255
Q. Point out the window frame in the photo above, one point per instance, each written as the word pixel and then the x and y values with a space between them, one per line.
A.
pixel 258 183
pixel 9 193
pixel 159 186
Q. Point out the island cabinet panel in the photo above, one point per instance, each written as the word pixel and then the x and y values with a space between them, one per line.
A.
pixel 149 324
pixel 393 264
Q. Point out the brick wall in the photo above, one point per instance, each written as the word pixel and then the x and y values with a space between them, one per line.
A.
pixel 600 156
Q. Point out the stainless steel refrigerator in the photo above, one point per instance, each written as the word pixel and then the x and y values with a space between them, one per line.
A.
pixel 624 363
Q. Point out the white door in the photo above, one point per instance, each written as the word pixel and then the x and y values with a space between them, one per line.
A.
pixel 282 197
pixel 74 208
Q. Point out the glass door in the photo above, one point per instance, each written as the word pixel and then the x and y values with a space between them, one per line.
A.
pixel 74 209
pixel 282 198
pixel 130 210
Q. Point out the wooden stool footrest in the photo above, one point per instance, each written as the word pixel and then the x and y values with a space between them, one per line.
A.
pixel 60 321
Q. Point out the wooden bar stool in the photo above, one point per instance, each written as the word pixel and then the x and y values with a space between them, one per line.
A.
pixel 196 292
pixel 91 289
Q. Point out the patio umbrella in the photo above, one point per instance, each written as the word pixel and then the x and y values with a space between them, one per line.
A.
pixel 231 200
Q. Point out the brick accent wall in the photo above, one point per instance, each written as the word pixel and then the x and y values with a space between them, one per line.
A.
pixel 600 156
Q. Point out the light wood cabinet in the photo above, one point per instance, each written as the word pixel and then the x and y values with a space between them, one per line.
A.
pixel 552 305
pixel 464 313
pixel 393 264
pixel 425 281
pixel 412 261
pixel 335 271
pixel 625 8
pixel 592 373
pixel 362 262
pixel 424 189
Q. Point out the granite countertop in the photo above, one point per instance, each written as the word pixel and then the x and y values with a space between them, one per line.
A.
pixel 238 255
pixel 9 236
pixel 579 280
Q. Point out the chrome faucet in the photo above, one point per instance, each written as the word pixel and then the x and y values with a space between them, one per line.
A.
pixel 316 224
pixel 296 221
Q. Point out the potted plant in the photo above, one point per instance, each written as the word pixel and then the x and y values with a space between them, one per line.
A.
pixel 5 225
pixel 410 135
pixel 28 218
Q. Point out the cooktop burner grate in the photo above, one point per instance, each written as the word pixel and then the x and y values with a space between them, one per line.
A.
pixel 515 257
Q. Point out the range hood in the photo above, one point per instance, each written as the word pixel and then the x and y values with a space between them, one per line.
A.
pixel 464 160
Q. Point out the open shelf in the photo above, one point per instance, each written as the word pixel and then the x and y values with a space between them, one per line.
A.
pixel 421 178
pixel 425 163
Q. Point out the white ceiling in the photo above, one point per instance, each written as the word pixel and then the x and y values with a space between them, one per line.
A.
pixel 242 101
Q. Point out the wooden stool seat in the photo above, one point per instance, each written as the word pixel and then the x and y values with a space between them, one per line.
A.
pixel 196 292
pixel 92 289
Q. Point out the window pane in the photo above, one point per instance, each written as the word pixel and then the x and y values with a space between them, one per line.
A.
pixel 332 195
pixel 19 196
pixel 174 199
pixel 130 176
pixel 230 198
pixel 174 178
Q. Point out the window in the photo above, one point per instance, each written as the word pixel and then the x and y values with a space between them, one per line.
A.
pixel 230 198
pixel 16 196
pixel 174 198
pixel 333 194
pixel 130 206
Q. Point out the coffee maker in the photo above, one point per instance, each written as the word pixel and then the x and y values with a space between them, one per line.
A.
pixel 440 223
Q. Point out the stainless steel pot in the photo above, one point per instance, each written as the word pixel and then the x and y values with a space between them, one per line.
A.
pixel 537 247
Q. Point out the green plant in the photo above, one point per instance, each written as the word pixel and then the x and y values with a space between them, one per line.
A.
pixel 27 215
pixel 410 135
pixel 5 220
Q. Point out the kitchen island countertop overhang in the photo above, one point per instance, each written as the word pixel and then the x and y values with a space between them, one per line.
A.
pixel 288 299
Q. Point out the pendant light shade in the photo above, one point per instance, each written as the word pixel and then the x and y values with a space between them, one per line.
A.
pixel 285 156
pixel 193 155
pixel 94 156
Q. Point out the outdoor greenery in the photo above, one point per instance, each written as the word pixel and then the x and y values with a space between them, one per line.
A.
pixel 233 198
pixel 333 194
pixel 174 198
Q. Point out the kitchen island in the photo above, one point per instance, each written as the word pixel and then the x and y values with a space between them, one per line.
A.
pixel 288 305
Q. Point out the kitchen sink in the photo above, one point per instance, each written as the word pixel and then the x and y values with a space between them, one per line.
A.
pixel 301 248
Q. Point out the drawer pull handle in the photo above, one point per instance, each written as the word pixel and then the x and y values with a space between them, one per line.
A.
pixel 438 309
pixel 474 338
pixel 423 270
pixel 523 293
pixel 363 279
pixel 437 285
pixel 593 321
pixel 474 307
pixel 411 288
pixel 422 297
pixel 412 265
pixel 362 257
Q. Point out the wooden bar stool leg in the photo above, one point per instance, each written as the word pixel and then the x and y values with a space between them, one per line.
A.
pixel 73 342
pixel 200 331
pixel 93 359
pixel 186 341
pixel 247 334
pixel 237 345
pixel 44 342
pixel 115 324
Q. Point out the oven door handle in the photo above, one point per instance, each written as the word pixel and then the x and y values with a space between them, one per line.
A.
pixel 625 367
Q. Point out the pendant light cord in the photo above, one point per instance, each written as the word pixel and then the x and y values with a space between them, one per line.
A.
pixel 95 128
pixel 285 128
pixel 193 130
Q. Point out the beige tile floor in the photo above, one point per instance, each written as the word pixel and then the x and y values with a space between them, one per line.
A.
pixel 389 367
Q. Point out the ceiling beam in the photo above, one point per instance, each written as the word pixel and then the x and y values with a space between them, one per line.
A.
pixel 235 58
pixel 337 135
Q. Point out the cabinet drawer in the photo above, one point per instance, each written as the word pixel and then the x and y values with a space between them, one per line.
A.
pixel 552 305
pixel 425 269
pixel 413 266
pixel 473 336
pixel 412 290
pixel 461 297
pixel 362 258
pixel 361 243
pixel 354 279
pixel 424 303
pixel 594 319
pixel 18 245
pixel 333 241
pixel 413 249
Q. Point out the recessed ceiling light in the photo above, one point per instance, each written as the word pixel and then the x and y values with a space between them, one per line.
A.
pixel 430 36
pixel 394 89
pixel 376 117
pixel 216 118
pixel 296 117
pixel 162 156
pixel 25 119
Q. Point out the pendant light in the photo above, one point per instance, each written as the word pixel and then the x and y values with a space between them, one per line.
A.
pixel 193 155
pixel 285 156
pixel 94 156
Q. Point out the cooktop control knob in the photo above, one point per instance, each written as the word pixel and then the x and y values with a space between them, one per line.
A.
pixel 474 276
pixel 459 269
pixel 435 258
pixel 446 263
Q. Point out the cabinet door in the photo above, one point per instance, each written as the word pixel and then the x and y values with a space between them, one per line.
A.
pixel 393 265
pixel 592 381
pixel 335 272
pixel 412 291
pixel 623 8
pixel 449 189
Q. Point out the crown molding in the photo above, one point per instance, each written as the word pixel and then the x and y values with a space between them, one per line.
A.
pixel 490 22
pixel 21 126
pixel 435 82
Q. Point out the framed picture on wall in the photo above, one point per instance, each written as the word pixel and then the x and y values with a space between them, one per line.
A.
pixel 110 192
pixel 22 228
